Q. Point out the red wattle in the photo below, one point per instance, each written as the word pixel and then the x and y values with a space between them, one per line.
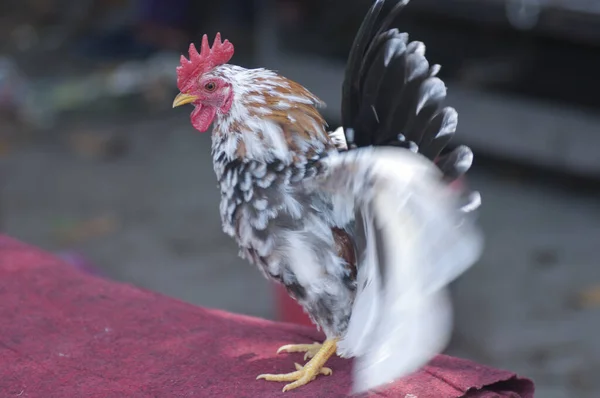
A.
pixel 202 117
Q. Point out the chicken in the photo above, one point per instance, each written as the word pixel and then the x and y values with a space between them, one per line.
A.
pixel 359 224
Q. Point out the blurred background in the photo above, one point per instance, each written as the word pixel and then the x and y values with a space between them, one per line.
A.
pixel 96 167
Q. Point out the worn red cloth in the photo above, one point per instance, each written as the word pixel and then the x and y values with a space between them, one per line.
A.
pixel 64 333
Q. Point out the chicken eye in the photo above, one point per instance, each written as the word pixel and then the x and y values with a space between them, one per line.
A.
pixel 210 86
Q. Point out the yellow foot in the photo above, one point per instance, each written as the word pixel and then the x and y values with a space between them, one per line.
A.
pixel 305 374
pixel 310 350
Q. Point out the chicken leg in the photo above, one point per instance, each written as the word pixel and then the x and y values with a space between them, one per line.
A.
pixel 319 354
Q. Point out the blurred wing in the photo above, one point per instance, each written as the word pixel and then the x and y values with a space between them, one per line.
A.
pixel 412 239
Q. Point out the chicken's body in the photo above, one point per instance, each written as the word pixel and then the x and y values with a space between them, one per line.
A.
pixel 365 239
pixel 265 168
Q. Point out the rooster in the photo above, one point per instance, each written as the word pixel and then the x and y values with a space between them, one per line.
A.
pixel 359 224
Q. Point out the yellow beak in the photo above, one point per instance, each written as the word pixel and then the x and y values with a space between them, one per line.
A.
pixel 183 98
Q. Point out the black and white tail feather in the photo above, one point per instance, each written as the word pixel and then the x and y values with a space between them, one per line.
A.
pixel 414 234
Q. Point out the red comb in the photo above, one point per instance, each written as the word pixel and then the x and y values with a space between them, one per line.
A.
pixel 199 63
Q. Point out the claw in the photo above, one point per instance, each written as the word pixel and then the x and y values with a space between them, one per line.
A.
pixel 310 350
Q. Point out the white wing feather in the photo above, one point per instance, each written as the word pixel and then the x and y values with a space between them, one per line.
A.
pixel 413 240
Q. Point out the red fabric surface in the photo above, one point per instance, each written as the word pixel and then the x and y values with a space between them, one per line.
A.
pixel 64 333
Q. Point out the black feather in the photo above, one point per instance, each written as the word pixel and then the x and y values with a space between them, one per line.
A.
pixel 392 96
pixel 403 101
pixel 456 163
pixel 370 111
pixel 351 83
pixel 373 24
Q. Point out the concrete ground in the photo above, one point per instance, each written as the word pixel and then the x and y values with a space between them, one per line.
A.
pixel 516 309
